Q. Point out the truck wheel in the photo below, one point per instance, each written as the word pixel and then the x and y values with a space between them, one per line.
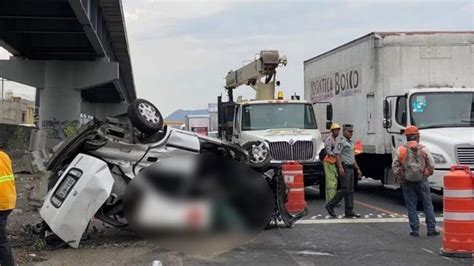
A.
pixel 259 154
pixel 145 116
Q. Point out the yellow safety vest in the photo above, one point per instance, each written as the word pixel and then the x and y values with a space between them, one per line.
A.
pixel 7 183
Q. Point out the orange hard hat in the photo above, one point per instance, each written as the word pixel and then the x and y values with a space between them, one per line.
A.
pixel 412 130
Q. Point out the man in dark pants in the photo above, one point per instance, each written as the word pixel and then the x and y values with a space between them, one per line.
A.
pixel 7 204
pixel 412 165
pixel 347 164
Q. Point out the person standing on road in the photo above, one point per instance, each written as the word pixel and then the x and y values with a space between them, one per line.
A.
pixel 7 204
pixel 412 166
pixel 329 162
pixel 346 163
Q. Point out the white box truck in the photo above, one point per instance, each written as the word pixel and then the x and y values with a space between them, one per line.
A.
pixel 198 123
pixel 385 81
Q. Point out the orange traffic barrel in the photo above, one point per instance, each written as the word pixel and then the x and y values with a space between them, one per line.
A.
pixel 458 213
pixel 293 176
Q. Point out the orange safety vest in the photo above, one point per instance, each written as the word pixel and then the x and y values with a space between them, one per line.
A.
pixel 329 158
pixel 403 154
pixel 403 150
pixel 7 183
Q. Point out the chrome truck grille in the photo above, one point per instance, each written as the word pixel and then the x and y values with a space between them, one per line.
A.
pixel 465 155
pixel 284 151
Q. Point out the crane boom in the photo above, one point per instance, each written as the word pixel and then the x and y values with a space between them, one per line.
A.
pixel 259 74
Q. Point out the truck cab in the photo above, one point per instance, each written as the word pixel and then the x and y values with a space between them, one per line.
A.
pixel 273 130
pixel 445 118
pixel 278 131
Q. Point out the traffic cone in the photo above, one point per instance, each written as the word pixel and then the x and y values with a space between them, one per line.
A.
pixel 458 213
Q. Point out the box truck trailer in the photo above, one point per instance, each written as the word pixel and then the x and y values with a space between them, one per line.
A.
pixel 383 82
pixel 198 123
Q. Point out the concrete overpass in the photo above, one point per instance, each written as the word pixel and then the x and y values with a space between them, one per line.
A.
pixel 75 52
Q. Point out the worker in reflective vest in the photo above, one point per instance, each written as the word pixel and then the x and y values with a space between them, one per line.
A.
pixel 329 162
pixel 412 165
pixel 7 204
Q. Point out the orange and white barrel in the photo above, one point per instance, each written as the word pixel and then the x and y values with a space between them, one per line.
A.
pixel 293 176
pixel 458 213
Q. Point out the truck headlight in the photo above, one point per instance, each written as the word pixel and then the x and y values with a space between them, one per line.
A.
pixel 438 158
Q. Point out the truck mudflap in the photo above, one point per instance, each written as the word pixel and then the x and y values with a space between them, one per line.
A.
pixel 77 196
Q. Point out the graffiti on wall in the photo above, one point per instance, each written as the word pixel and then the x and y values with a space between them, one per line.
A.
pixel 60 129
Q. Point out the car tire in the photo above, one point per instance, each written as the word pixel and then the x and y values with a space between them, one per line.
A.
pixel 254 161
pixel 145 116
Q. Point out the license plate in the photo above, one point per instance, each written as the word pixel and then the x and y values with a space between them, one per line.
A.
pixel 65 187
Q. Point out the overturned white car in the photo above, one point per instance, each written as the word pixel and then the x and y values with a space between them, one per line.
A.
pixel 92 172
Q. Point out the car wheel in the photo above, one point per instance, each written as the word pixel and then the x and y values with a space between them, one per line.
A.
pixel 259 154
pixel 145 116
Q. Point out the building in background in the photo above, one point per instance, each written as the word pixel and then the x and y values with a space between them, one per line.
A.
pixel 15 110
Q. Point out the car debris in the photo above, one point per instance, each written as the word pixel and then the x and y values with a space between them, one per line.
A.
pixel 91 173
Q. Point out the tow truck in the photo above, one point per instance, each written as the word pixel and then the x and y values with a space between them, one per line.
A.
pixel 272 129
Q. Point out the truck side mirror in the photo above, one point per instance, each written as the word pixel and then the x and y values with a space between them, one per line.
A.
pixel 387 114
pixel 329 113
pixel 328 125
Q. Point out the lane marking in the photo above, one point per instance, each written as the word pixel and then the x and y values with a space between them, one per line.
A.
pixel 313 253
pixel 357 221
pixel 429 251
pixel 391 212
pixel 375 207
pixel 405 217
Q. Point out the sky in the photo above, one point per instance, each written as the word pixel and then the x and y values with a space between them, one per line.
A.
pixel 182 50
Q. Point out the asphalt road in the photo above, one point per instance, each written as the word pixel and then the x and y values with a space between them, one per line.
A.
pixel 380 237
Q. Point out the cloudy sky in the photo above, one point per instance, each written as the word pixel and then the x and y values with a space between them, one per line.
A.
pixel 181 50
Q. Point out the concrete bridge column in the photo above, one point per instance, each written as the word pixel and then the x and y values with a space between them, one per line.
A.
pixel 59 100
pixel 59 85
